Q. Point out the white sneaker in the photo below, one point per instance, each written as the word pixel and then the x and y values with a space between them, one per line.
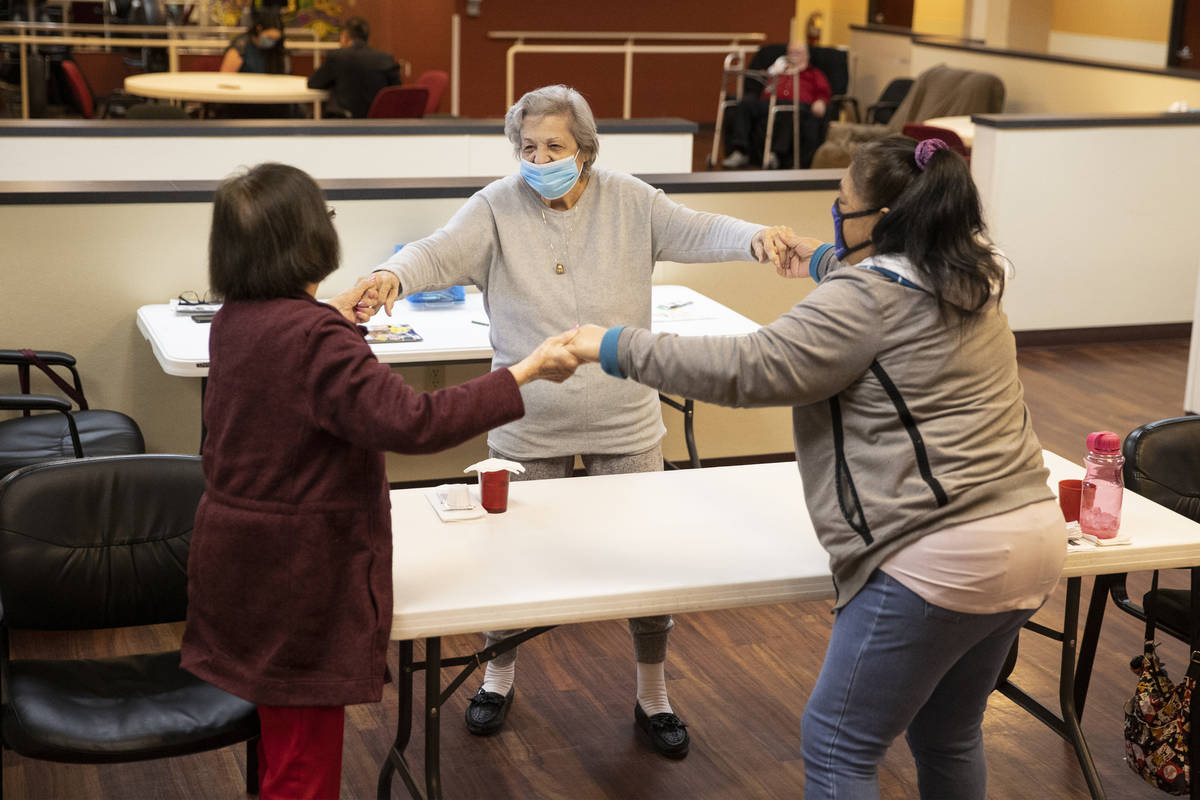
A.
pixel 735 159
pixel 772 161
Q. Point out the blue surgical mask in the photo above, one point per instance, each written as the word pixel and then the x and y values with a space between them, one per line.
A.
pixel 267 42
pixel 840 249
pixel 553 179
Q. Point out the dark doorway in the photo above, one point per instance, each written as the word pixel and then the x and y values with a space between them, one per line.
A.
pixel 897 13
pixel 1184 51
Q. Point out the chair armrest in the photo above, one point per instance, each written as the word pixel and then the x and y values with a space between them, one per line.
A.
pixel 840 101
pixel 873 110
pixel 34 402
pixel 45 402
pixel 52 357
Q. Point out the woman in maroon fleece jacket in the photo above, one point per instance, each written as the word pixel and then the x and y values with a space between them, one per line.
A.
pixel 290 570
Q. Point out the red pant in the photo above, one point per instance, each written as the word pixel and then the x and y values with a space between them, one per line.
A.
pixel 300 752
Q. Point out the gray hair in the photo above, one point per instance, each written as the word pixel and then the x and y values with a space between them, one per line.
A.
pixel 556 101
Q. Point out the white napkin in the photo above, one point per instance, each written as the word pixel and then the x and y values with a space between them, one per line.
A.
pixel 494 464
pixel 436 495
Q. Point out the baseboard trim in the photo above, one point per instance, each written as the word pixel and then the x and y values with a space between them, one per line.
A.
pixel 1115 333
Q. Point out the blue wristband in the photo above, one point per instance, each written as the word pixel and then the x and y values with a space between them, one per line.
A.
pixel 815 261
pixel 608 352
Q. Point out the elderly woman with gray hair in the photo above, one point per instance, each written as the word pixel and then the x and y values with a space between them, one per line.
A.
pixel 559 243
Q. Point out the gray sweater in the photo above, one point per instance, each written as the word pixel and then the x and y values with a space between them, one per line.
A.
pixel 903 425
pixel 505 241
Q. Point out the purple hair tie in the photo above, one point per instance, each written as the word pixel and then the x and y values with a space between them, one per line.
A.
pixel 925 150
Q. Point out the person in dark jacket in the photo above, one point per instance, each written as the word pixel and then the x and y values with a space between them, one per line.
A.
pixel 290 569
pixel 355 73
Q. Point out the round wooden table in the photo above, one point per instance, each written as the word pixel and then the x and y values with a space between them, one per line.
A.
pixel 226 87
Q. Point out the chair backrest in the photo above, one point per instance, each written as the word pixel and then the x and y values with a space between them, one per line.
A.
pixel 435 80
pixel 97 542
pixel 943 91
pixel 1162 463
pixel 79 88
pixel 399 102
pixel 762 59
pixel 917 131
pixel 834 63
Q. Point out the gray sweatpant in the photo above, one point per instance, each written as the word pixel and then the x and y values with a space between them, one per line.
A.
pixel 649 633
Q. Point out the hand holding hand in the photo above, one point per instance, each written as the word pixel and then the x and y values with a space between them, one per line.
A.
pixel 818 108
pixel 586 344
pixel 799 250
pixel 387 286
pixel 355 303
pixel 769 244
pixel 551 361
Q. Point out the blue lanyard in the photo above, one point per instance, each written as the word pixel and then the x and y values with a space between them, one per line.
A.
pixel 895 277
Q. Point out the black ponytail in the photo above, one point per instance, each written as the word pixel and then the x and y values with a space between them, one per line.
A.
pixel 934 219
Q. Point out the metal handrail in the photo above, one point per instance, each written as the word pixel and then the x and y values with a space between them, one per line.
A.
pixel 669 35
pixel 628 48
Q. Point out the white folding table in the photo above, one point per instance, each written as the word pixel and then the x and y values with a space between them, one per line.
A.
pixel 619 546
pixel 450 333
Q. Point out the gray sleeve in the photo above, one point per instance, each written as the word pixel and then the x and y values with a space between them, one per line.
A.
pixel 687 236
pixel 824 344
pixel 457 254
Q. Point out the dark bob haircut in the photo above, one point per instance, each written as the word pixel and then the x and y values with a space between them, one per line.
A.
pixel 271 235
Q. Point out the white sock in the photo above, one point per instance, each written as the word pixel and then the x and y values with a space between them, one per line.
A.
pixel 652 689
pixel 499 679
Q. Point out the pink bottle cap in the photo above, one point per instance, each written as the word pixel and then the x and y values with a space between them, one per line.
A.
pixel 1103 442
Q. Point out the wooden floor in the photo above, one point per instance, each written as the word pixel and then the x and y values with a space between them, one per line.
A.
pixel 740 678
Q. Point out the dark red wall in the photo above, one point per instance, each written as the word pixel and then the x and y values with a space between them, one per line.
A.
pixel 664 85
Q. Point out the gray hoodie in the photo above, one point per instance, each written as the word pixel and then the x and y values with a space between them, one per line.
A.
pixel 903 424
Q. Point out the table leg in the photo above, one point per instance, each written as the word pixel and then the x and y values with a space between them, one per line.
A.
pixel 1068 725
pixel 1091 638
pixel 433 719
pixel 395 762
pixel 688 408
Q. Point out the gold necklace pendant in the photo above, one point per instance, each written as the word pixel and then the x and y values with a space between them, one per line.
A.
pixel 558 269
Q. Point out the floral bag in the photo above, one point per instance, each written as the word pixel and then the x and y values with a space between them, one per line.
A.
pixel 1158 729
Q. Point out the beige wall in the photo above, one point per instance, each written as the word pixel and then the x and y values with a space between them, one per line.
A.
pixel 1035 86
pixel 1145 19
pixel 942 17
pixel 119 257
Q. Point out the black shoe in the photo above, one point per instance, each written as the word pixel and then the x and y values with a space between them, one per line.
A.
pixel 667 732
pixel 487 710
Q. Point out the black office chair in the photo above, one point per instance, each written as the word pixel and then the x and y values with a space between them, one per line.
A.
pixel 1162 463
pixel 102 543
pixel 880 112
pixel 33 438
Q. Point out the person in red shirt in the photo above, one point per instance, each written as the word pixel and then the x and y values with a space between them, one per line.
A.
pixel 749 117
pixel 290 565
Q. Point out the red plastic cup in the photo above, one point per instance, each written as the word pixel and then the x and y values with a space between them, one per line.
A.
pixel 1070 495
pixel 493 491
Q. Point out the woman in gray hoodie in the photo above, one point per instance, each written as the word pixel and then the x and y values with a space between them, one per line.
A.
pixel 920 467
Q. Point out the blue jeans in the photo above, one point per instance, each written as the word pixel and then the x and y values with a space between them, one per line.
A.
pixel 897 664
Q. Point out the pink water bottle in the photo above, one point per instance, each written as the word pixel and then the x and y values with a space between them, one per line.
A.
pixel 1100 506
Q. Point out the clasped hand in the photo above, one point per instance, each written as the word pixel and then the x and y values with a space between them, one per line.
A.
pixel 786 250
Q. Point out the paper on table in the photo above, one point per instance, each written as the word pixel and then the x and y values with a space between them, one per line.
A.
pixel 436 495
pixel 678 312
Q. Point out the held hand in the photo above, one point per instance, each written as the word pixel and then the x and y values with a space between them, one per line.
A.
pixel 799 252
pixel 389 289
pixel 818 108
pixel 551 361
pixel 769 244
pixel 586 344
pixel 355 302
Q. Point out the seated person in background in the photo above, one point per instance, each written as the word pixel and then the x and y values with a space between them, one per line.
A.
pixel 355 73
pixel 260 48
pixel 749 117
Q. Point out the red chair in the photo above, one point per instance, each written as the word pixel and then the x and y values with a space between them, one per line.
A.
pixel 79 88
pixel 399 102
pixel 435 81
pixel 917 131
